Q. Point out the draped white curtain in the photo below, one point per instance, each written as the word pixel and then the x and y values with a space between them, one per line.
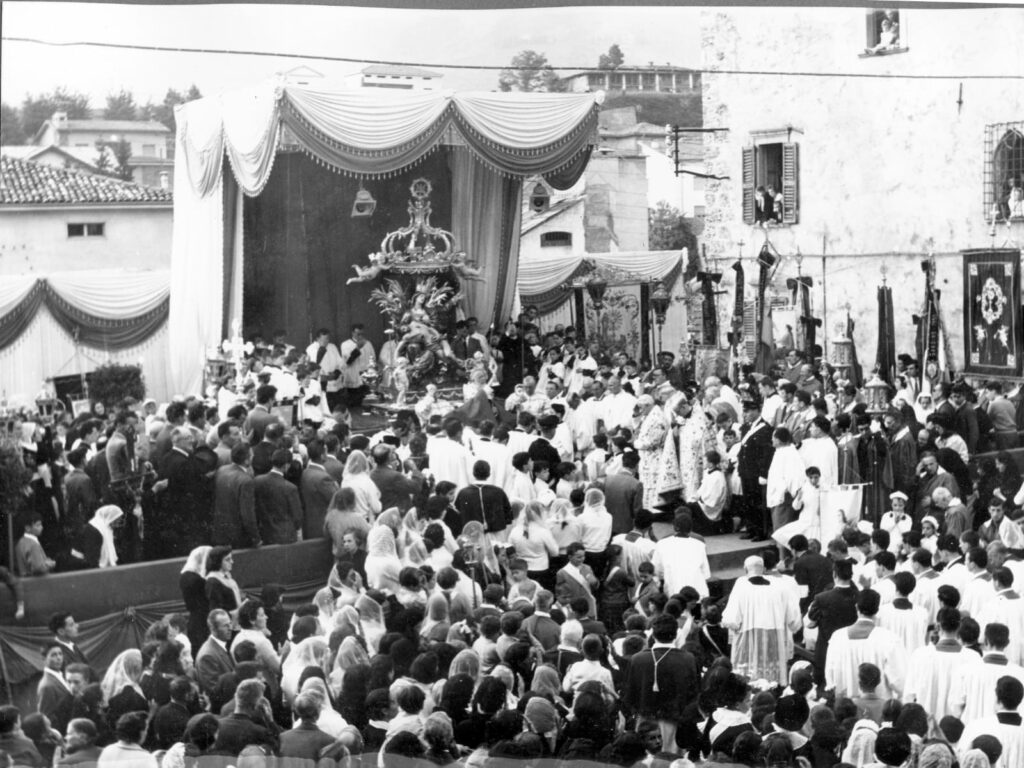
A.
pixel 46 350
pixel 110 293
pixel 538 276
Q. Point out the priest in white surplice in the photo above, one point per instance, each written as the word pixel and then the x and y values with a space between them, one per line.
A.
pixel 971 693
pixel 1005 724
pixel 933 668
pixel 924 593
pixel 681 561
pixel 1007 608
pixel 978 591
pixel 864 641
pixel 649 442
pixel 786 475
pixel 449 459
pixel 819 450
pixel 907 621
pixel 762 620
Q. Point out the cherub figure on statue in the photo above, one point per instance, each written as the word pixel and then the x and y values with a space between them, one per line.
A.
pixel 400 379
pixel 378 263
pixel 425 406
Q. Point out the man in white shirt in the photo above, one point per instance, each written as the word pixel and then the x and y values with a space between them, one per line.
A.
pixel 681 561
pixel 595 523
pixel 325 355
pixel 618 406
pixel 356 357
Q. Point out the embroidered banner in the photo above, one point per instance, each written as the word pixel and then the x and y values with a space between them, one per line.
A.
pixel 992 315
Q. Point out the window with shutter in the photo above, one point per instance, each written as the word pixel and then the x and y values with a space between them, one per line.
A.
pixel 748 185
pixel 1003 197
pixel 790 184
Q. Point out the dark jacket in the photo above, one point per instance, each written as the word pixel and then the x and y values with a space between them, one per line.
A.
pixel 212 661
pixel 541 449
pixel 623 498
pixel 169 724
pixel 304 741
pixel 278 509
pixel 831 610
pixel 487 504
pixel 317 489
pixel 677 678
pixel 813 571
pixel 238 730
pixel 396 490
pixel 234 512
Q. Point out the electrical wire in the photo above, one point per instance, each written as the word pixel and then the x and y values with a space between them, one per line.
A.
pixel 392 63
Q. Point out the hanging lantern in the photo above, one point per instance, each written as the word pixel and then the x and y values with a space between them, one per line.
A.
pixel 660 301
pixel 877 393
pixel 596 288
pixel 364 205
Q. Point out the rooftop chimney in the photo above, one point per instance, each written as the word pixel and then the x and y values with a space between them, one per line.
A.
pixel 165 180
pixel 60 118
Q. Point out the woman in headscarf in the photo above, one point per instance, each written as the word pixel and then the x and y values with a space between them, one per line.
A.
pixel 324 602
pixel 382 563
pixel 357 477
pixel 120 685
pixel 222 590
pixel 548 684
pixel 923 407
pixel 466 662
pixel 565 529
pixel 311 652
pixel 409 540
pixel 350 654
pixel 485 569
pixel 535 544
pixel 860 747
pixel 98 537
pixel 346 623
pixel 436 623
pixel 371 619
pixel 192 584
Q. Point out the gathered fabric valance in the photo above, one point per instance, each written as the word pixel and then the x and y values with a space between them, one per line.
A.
pixel 374 132
pixel 105 309
pixel 539 276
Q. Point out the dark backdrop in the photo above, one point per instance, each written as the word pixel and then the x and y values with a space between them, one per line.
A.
pixel 301 243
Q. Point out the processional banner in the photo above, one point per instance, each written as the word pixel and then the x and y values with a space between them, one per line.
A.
pixel 992 314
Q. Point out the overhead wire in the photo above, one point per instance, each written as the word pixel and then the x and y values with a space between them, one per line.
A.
pixel 496 67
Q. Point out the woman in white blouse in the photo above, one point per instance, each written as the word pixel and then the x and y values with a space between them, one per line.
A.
pixel 534 543
pixel 357 477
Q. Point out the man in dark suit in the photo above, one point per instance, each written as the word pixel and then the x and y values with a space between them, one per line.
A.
pixel 623 494
pixel 65 631
pixel 661 681
pixel 213 659
pixel 171 719
pixel 831 610
pixel 263 451
pixel 541 449
pixel 318 488
pixel 260 417
pixel 540 625
pixel 234 511
pixel 484 503
pixel 396 490
pixel 82 500
pixel 182 519
pixel 811 570
pixel 277 504
pixel 55 699
pixel 174 416
pixel 334 466
pixel 753 461
pixel 244 726
pixel 305 740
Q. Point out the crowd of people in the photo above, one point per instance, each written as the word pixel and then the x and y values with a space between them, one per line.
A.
pixel 499 592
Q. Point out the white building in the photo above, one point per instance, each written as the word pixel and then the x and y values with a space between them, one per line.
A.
pixel 396 76
pixel 879 161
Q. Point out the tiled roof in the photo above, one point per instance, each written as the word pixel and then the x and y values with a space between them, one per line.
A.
pixel 116 126
pixel 25 182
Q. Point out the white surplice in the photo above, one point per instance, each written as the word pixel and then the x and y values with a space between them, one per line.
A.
pixel 974 685
pixel 907 621
pixel 761 619
pixel 931 672
pixel 1010 735
pixel 821 452
pixel 862 642
pixel 451 461
pixel 682 561
pixel 1007 608
pixel 976 594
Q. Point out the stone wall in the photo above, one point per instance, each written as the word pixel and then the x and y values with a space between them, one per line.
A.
pixel 891 169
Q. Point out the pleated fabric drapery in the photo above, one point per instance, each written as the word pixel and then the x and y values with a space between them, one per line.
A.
pixel 362 132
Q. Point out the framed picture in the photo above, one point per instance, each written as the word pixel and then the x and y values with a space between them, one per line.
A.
pixel 78 407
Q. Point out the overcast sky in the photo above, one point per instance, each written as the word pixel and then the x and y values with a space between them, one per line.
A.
pixel 570 37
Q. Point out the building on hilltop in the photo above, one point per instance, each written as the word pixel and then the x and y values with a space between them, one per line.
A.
pixel 878 166
pixel 650 77
pixel 396 76
pixel 151 143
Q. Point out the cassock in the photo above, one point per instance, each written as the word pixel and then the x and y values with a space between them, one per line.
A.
pixel 974 686
pixel 821 452
pixel 903 457
pixel 864 641
pixel 1007 608
pixel 876 468
pixel 930 675
pixel 907 621
pixel 849 466
pixel 762 619
pixel 1005 726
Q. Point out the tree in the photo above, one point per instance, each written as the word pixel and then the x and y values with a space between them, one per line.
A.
pixel 122 154
pixel 611 60
pixel 667 230
pixel 530 71
pixel 37 110
pixel 102 161
pixel 164 113
pixel 10 125
pixel 120 106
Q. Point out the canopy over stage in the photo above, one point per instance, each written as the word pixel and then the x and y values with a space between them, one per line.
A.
pixel 475 147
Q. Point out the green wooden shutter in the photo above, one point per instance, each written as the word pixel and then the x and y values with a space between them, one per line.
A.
pixel 748 185
pixel 790 184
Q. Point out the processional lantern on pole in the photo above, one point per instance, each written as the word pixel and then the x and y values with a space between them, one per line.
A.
pixel 597 286
pixel 877 393
pixel 660 301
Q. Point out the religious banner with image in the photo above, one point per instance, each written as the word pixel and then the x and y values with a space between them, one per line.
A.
pixel 992 315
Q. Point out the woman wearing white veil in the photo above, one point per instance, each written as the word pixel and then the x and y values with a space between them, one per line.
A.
pixel 311 652
pixel 477 545
pixel 371 618
pixel 409 540
pixel 382 562
pixel 357 477
pixel 923 408
pixel 98 537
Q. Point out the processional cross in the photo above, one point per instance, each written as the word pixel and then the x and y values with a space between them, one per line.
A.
pixel 236 348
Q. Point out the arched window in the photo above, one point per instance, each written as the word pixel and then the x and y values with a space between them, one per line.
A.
pixel 1008 175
